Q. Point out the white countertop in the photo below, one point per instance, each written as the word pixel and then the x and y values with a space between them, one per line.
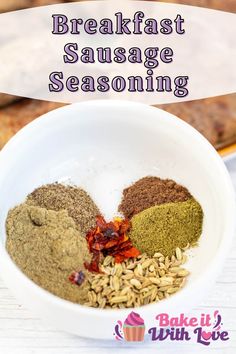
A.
pixel 23 333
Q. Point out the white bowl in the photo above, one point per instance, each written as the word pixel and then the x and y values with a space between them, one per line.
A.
pixel 103 146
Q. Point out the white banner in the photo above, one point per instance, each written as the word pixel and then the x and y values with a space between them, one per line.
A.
pixel 136 50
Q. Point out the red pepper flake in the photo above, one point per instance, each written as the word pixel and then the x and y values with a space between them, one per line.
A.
pixel 109 239
pixel 77 277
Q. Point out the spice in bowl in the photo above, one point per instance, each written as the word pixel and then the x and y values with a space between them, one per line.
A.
pixel 75 200
pixel 60 240
pixel 150 191
pixel 109 239
pixel 136 281
pixel 47 246
pixel 164 227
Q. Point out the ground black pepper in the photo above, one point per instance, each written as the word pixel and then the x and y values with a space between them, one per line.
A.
pixel 75 200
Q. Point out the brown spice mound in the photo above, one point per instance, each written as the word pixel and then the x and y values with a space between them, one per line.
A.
pixel 150 191
pixel 47 247
pixel 75 200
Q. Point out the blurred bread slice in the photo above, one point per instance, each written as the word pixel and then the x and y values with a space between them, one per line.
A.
pixel 223 5
pixel 10 5
pixel 214 117
pixel 45 2
pixel 17 115
pixel 6 99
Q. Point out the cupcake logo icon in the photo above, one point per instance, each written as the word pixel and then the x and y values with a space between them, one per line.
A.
pixel 205 329
pixel 132 330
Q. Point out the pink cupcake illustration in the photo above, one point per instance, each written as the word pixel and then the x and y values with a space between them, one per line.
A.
pixel 134 328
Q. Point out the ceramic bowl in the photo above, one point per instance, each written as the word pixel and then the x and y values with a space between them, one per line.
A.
pixel 104 146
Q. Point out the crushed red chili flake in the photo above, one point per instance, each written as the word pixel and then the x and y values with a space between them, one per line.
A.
pixel 77 277
pixel 109 239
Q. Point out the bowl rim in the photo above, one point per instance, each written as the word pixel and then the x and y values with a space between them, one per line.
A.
pixel 225 241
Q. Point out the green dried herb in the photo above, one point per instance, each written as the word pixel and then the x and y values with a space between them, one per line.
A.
pixel 47 246
pixel 164 227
